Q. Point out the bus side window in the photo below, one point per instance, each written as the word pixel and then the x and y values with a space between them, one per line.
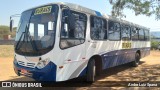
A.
pixel 98 28
pixel 141 34
pixel 125 32
pixel 114 29
pixel 146 35
pixel 134 34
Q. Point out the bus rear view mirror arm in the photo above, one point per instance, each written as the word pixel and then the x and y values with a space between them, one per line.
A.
pixel 11 25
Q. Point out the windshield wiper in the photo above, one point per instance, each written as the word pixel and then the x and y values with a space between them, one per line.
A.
pixel 19 41
pixel 31 41
pixel 28 38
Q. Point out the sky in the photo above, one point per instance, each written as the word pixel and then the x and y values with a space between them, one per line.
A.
pixel 11 7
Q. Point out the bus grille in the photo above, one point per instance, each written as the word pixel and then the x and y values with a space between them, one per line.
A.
pixel 21 63
pixel 30 65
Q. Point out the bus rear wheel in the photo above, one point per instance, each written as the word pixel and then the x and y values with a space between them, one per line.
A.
pixel 135 63
pixel 91 70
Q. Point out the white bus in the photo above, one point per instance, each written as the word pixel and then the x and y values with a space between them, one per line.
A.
pixel 61 41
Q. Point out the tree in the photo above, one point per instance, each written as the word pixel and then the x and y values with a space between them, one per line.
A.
pixel 144 7
pixel 4 30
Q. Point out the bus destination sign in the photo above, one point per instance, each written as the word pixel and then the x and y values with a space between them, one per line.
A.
pixel 43 10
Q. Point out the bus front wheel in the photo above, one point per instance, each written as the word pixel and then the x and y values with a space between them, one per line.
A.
pixel 135 63
pixel 91 70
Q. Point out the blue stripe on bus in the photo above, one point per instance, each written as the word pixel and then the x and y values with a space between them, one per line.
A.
pixel 118 57
pixel 84 71
pixel 48 73
pixel 98 13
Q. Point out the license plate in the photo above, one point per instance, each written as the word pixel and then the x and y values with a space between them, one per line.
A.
pixel 24 71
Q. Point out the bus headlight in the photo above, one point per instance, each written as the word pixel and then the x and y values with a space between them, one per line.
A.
pixel 41 64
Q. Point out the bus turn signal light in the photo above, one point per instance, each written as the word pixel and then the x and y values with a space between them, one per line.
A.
pixel 60 67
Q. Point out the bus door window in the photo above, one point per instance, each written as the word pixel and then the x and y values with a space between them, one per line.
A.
pixel 72 37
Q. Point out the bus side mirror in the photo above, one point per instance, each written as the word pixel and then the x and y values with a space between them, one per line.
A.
pixel 11 25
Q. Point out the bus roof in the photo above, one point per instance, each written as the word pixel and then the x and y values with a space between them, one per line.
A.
pixel 92 12
pixel 74 7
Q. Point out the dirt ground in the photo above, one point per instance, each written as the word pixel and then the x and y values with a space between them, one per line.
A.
pixel 148 70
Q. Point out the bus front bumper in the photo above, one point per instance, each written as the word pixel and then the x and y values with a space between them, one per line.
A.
pixel 48 73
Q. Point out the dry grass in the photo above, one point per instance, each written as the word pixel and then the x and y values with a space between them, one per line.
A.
pixel 6 50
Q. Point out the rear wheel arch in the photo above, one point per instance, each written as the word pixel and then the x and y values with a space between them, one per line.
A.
pixel 135 63
pixel 98 63
pixel 139 52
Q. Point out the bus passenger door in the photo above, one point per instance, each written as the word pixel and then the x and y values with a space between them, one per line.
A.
pixel 72 43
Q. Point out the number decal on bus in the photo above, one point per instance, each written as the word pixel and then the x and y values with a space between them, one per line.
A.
pixel 126 45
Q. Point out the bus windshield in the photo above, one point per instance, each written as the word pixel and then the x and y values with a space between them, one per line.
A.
pixel 36 31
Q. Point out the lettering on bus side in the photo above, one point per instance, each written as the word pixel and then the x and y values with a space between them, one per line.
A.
pixel 43 10
pixel 126 45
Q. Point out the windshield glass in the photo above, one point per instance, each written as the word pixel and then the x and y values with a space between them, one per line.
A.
pixel 36 31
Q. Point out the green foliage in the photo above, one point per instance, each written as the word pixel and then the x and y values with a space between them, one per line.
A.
pixel 154 44
pixel 144 7
pixel 4 30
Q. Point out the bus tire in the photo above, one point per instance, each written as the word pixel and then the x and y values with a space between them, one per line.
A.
pixel 91 70
pixel 135 63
